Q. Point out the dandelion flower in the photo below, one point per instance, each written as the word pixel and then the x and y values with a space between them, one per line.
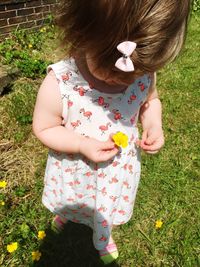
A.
pixel 41 234
pixel 158 224
pixel 12 247
pixel 120 139
pixel 2 203
pixel 3 184
pixel 36 255
pixel 30 45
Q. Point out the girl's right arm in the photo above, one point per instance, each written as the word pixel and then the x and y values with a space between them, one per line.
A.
pixel 47 126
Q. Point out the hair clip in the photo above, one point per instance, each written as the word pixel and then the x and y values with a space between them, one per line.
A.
pixel 125 63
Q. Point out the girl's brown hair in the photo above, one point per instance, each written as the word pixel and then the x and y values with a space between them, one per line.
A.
pixel 98 26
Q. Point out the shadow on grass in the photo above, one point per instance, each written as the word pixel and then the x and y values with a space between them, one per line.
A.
pixel 72 247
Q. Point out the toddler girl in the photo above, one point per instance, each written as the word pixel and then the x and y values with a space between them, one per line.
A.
pixel 106 83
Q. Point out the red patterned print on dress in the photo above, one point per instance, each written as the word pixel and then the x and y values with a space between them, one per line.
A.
pixel 69 102
pixel 101 102
pixel 117 114
pixel 102 175
pixel 102 208
pixel 75 124
pixel 113 211
pixel 104 128
pixel 53 179
pixel 103 191
pixel 126 198
pixel 79 195
pixel 132 98
pixel 90 187
pixel 77 182
pixel 127 185
pixel 89 173
pixel 103 238
pixel 70 184
pixel 122 212
pixel 70 170
pixel 57 164
pixel 115 163
pixel 82 206
pixel 86 114
pixel 65 77
pixel 70 199
pixel 104 223
pixel 113 180
pixel 142 86
pixel 133 119
pixel 113 198
pixel 128 167
pixel 80 90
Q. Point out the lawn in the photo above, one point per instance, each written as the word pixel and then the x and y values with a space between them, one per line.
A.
pixel 169 188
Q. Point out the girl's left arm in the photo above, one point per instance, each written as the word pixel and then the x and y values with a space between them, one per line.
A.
pixel 151 119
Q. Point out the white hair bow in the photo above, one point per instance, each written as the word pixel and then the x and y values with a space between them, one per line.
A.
pixel 125 63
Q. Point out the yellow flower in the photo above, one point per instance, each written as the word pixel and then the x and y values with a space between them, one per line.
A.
pixel 3 184
pixel 30 45
pixel 12 247
pixel 2 203
pixel 41 234
pixel 120 139
pixel 36 255
pixel 43 30
pixel 158 224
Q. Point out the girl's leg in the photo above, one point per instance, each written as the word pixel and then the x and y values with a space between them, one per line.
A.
pixel 109 253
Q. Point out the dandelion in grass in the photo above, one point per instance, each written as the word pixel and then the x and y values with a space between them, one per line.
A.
pixel 36 255
pixel 3 184
pixel 120 139
pixel 30 46
pixel 12 247
pixel 158 224
pixel 41 234
pixel 2 203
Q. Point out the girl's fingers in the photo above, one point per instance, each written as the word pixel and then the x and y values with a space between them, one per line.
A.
pixel 149 140
pixel 152 148
pixel 106 155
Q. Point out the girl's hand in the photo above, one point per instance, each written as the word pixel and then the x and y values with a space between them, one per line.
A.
pixel 98 151
pixel 152 140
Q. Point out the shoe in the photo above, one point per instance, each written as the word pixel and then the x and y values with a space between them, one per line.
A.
pixel 109 253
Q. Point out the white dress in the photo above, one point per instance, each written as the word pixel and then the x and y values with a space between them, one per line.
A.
pixel 103 194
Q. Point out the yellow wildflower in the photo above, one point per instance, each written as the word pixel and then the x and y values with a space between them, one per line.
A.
pixel 43 30
pixel 3 184
pixel 158 224
pixel 30 45
pixel 120 139
pixel 36 255
pixel 12 247
pixel 2 203
pixel 41 234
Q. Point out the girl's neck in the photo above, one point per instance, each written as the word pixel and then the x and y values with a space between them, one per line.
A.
pixel 94 82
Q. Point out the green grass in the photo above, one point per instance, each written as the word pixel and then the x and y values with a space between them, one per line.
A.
pixel 169 188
